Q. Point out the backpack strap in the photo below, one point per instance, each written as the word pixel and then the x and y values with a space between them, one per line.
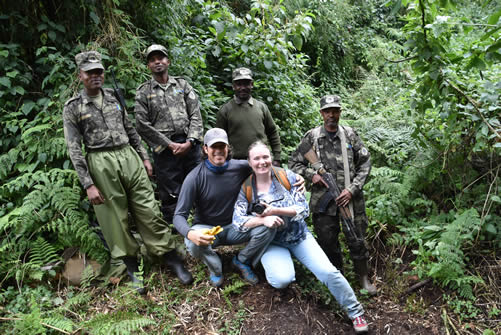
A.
pixel 278 172
pixel 247 188
pixel 281 176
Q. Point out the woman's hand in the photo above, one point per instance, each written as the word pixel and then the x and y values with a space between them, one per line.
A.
pixel 268 210
pixel 272 221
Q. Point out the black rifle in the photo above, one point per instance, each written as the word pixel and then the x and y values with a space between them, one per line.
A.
pixel 331 194
pixel 118 91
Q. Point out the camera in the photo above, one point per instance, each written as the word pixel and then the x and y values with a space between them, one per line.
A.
pixel 256 207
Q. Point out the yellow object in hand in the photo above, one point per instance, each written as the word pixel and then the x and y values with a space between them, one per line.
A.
pixel 213 231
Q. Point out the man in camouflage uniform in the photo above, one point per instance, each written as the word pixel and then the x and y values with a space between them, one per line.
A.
pixel 246 119
pixel 115 170
pixel 326 143
pixel 168 118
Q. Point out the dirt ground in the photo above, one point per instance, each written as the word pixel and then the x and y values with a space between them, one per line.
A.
pixel 286 312
pixel 404 303
pixel 270 311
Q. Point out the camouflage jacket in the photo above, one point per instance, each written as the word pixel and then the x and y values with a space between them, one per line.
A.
pixel 98 129
pixel 329 151
pixel 160 113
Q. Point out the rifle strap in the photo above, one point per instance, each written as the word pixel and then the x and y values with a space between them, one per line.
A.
pixel 346 165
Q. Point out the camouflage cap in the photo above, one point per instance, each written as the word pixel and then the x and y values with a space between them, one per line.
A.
pixel 241 73
pixel 89 60
pixel 329 101
pixel 215 135
pixel 156 47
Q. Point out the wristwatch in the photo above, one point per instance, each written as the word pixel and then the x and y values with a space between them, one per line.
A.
pixel 192 141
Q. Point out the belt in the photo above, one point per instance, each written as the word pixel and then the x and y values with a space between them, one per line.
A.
pixel 89 150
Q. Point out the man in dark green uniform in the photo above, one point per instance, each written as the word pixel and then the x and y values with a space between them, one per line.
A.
pixel 327 142
pixel 115 170
pixel 246 119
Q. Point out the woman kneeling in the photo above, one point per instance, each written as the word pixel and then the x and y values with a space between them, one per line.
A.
pixel 267 198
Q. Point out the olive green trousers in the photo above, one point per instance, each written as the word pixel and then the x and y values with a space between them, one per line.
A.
pixel 121 178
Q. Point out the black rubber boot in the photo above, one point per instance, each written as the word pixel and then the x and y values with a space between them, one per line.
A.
pixel 132 269
pixel 337 260
pixel 175 263
pixel 361 268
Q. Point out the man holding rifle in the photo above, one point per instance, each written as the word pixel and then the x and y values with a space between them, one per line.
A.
pixel 334 158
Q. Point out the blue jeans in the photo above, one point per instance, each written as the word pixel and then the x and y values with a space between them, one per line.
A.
pixel 258 239
pixel 279 269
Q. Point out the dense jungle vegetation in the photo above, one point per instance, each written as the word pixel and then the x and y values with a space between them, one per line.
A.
pixel 420 80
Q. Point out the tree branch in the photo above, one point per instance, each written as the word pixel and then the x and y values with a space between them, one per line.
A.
pixel 400 60
pixel 423 21
pixel 474 104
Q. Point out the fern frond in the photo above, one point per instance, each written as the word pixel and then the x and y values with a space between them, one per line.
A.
pixel 7 162
pixel 42 252
pixel 118 323
pixel 82 298
pixel 443 254
pixel 59 322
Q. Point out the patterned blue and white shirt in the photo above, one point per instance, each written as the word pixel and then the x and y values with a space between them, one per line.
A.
pixel 295 228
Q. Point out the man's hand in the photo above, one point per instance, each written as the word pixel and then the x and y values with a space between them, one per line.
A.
pixel 344 198
pixel 198 237
pixel 94 195
pixel 317 179
pixel 173 146
pixel 148 167
pixel 299 183
pixel 182 149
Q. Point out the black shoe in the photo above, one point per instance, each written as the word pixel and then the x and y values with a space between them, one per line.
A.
pixel 175 263
pixel 132 269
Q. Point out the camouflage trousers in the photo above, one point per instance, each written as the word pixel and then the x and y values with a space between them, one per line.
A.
pixel 121 177
pixel 327 229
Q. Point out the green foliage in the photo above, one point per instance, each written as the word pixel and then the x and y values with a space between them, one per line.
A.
pixel 215 41
pixel 234 288
pixel 50 211
pixel 234 326
pixel 441 249
pixel 419 81
pixel 465 308
pixel 456 59
pixel 342 40
pixel 120 322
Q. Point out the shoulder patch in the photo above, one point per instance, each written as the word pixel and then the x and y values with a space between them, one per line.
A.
pixel 316 131
pixel 179 78
pixel 72 99
pixel 142 85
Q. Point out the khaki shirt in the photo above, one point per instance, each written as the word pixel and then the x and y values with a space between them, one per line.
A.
pixel 162 113
pixel 329 150
pixel 99 128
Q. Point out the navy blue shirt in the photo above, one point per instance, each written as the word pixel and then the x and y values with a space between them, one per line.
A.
pixel 212 194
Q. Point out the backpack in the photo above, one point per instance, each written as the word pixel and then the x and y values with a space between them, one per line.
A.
pixel 278 172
